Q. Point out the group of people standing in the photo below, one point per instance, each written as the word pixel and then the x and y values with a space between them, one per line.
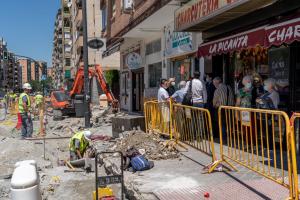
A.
pixel 213 93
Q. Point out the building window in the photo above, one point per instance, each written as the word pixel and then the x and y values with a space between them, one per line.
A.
pixel 153 47
pixel 104 18
pixel 113 7
pixel 182 69
pixel 154 74
pixel 68 62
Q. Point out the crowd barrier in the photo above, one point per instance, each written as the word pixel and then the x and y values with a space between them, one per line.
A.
pixel 260 140
pixel 157 117
pixel 187 124
pixel 295 128
pixel 263 141
pixel 193 126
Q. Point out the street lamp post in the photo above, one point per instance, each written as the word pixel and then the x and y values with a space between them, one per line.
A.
pixel 86 67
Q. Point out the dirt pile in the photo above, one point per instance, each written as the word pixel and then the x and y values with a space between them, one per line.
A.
pixel 155 148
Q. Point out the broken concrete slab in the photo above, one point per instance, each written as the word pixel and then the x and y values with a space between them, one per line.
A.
pixel 127 123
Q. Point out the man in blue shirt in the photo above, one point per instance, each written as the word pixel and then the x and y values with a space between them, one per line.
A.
pixel 179 94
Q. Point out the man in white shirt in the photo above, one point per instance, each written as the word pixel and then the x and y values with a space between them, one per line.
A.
pixel 163 95
pixel 163 102
pixel 199 92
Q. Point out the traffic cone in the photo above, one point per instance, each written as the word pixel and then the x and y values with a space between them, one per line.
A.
pixel 19 124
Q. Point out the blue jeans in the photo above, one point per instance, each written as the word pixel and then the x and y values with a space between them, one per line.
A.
pixel 27 126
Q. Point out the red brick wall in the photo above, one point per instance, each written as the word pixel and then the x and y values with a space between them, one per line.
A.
pixel 122 20
pixel 23 63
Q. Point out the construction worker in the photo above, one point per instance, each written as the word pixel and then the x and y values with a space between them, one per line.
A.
pixel 24 109
pixel 5 101
pixel 38 100
pixel 79 143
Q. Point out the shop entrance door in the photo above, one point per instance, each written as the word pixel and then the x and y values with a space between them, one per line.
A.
pixel 138 90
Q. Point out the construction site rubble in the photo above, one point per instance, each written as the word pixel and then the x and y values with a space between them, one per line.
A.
pixel 153 146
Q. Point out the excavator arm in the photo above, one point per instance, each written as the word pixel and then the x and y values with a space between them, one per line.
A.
pixel 98 73
pixel 105 88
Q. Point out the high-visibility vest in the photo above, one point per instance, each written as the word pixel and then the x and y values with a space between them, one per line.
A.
pixel 38 99
pixel 21 108
pixel 83 143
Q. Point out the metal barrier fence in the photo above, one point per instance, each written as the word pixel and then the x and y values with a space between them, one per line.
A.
pixel 193 126
pixel 260 140
pixel 157 117
pixel 295 128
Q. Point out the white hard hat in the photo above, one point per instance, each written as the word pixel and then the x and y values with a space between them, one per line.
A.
pixel 27 86
pixel 87 135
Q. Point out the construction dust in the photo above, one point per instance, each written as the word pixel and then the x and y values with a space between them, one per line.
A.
pixel 153 145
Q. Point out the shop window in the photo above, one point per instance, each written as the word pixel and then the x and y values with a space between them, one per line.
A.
pixel 153 47
pixel 182 69
pixel 154 74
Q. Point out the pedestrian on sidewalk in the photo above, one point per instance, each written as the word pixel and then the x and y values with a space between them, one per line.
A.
pixel 179 94
pixel 171 89
pixel 244 95
pixel 199 93
pixel 24 109
pixel 223 96
pixel 163 105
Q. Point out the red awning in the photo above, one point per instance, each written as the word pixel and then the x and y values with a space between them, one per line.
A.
pixel 278 34
pixel 286 32
pixel 233 43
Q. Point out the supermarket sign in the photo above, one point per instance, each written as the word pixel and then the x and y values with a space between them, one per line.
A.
pixel 197 11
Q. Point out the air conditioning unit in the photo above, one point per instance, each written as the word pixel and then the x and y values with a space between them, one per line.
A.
pixel 127 5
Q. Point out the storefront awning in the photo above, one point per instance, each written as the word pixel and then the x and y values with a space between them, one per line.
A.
pixel 233 43
pixel 272 35
pixel 286 32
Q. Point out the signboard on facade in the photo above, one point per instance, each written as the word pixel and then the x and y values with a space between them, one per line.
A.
pixel 196 11
pixel 177 42
pixel 233 43
pixel 286 32
pixel 133 60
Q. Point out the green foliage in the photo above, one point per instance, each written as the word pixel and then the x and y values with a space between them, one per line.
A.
pixel 111 76
pixel 38 85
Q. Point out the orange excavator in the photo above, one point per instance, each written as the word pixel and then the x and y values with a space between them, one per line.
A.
pixel 65 103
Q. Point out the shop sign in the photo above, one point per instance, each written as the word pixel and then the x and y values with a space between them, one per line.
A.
pixel 133 60
pixel 236 42
pixel 286 32
pixel 177 42
pixel 197 10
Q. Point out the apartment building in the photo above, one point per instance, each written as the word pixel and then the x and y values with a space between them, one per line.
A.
pixel 10 77
pixel 32 70
pixel 57 52
pixel 94 26
pixel 143 33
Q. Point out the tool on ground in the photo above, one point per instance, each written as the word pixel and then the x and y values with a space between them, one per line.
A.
pixel 69 165
pixel 64 103
pixel 103 181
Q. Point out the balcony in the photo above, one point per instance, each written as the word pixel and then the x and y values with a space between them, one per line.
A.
pixel 78 18
pixel 79 42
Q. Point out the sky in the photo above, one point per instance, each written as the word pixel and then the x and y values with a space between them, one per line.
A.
pixel 27 26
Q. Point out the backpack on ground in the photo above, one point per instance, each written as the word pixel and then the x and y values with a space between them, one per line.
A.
pixel 140 163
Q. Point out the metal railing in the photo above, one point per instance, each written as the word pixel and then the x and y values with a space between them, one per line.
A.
pixel 157 117
pixel 260 140
pixel 193 126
